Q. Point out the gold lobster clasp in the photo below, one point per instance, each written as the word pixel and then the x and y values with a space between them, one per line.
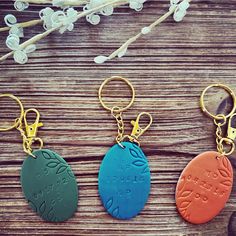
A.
pixel 137 130
pixel 231 132
pixel 27 131
pixel 229 140
pixel 31 131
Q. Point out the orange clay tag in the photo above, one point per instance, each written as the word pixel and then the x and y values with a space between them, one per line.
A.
pixel 204 187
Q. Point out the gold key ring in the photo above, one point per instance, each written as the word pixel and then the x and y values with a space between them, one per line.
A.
pixel 227 89
pixel 17 120
pixel 109 80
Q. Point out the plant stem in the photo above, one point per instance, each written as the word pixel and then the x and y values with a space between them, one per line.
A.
pixel 134 38
pixel 23 24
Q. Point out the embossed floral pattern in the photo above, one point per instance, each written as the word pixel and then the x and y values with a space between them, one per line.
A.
pixel 49 186
pixel 124 174
pixel 204 187
pixel 140 159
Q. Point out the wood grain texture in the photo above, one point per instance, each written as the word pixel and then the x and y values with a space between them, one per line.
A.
pixel 168 68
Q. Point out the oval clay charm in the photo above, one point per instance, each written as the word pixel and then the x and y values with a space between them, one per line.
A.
pixel 49 186
pixel 124 180
pixel 204 187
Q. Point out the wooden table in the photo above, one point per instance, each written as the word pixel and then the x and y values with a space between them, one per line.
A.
pixel 168 68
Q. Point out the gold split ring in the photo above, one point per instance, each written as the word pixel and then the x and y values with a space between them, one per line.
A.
pixel 109 80
pixel 17 120
pixel 227 89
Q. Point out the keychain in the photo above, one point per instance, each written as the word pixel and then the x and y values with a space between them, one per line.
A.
pixel 206 182
pixel 124 175
pixel 48 182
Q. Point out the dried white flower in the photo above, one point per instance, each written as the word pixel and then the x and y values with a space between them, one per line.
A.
pixel 146 30
pixel 63 19
pixel 100 59
pixel 21 5
pixel 67 19
pixel 46 15
pixel 11 21
pixel 181 9
pixel 17 30
pixel 136 5
pixel 94 18
pixel 20 54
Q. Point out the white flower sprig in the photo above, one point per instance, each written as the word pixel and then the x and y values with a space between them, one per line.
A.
pixel 19 53
pixel 63 19
pixel 179 9
pixel 21 5
pixel 94 18
pixel 64 23
pixel 136 5
pixel 68 2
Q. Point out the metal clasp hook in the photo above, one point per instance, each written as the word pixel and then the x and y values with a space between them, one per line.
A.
pixel 231 132
pixel 31 129
pixel 27 131
pixel 31 132
pixel 137 130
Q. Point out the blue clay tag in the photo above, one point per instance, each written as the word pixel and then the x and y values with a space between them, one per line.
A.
pixel 124 180
pixel 49 186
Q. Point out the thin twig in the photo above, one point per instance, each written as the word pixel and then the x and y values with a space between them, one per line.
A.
pixel 134 38
pixel 23 24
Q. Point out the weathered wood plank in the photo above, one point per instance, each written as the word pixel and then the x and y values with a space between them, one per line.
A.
pixel 168 68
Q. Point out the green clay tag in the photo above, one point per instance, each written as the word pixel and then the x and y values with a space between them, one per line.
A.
pixel 49 186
